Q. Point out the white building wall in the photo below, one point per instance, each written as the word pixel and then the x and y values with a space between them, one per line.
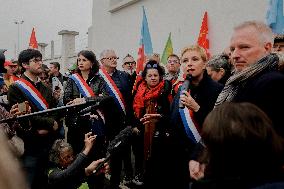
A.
pixel 120 30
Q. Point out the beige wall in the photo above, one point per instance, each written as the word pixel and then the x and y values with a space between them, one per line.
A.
pixel 120 30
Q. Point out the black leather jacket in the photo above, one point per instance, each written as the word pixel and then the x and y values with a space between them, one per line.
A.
pixel 96 82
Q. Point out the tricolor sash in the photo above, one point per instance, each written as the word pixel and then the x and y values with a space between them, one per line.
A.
pixel 84 88
pixel 189 126
pixel 32 93
pixel 114 91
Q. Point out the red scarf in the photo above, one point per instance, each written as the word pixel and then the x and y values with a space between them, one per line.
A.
pixel 144 93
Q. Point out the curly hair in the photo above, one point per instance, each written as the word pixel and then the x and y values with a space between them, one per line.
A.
pixel 57 147
pixel 153 64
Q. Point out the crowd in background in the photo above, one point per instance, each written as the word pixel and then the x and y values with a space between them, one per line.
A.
pixel 196 122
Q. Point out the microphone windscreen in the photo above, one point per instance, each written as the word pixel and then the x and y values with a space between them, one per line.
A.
pixel 185 87
pixel 122 139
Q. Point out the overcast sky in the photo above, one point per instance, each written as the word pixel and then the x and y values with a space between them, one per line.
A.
pixel 48 17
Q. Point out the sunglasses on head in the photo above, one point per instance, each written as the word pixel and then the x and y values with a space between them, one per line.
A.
pixel 152 66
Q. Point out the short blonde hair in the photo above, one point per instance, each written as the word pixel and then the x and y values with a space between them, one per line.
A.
pixel 197 48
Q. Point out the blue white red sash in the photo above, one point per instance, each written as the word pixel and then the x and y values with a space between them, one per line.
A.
pixel 189 126
pixel 32 93
pixel 84 88
pixel 113 89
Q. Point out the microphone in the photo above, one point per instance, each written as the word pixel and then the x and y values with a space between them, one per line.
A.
pixel 185 87
pixel 120 140
pixel 88 109
pixel 100 103
pixel 59 110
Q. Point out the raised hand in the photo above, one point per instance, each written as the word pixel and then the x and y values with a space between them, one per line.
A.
pixel 89 142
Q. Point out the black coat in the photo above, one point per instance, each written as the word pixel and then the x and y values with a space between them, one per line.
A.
pixel 34 143
pixel 205 94
pixel 115 118
pixel 266 91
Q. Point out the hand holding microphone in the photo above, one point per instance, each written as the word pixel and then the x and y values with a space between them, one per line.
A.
pixel 184 88
pixel 187 100
pixel 185 97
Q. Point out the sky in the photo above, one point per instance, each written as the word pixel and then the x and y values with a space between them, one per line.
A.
pixel 48 17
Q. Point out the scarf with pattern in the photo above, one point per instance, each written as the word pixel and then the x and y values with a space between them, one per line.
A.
pixel 233 84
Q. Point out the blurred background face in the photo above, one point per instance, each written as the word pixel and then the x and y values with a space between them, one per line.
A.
pixel 43 76
pixel 11 69
pixel 129 65
pixel 173 64
pixel 52 69
pixel 247 48
pixel 215 75
pixel 278 47
pixel 192 63
pixel 110 60
pixel 83 63
pixel 152 78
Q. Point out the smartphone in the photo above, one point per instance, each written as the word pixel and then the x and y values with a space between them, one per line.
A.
pixel 22 107
pixel 56 84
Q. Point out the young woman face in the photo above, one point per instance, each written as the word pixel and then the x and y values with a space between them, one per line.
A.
pixel 83 63
pixel 66 157
pixel 152 78
pixel 192 63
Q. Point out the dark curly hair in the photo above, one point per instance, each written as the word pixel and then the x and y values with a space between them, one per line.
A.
pixel 26 55
pixel 152 64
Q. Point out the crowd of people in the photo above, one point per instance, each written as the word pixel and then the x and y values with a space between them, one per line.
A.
pixel 196 122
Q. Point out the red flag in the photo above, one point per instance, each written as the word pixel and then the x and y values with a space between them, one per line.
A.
pixel 203 40
pixel 140 60
pixel 33 41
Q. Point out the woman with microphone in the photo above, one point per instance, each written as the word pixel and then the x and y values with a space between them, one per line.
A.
pixel 198 100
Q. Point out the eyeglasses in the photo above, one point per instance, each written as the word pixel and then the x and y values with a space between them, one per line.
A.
pixel 112 58
pixel 130 63
pixel 152 66
pixel 172 61
pixel 36 60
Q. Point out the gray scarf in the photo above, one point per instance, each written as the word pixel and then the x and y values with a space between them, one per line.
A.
pixel 233 84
